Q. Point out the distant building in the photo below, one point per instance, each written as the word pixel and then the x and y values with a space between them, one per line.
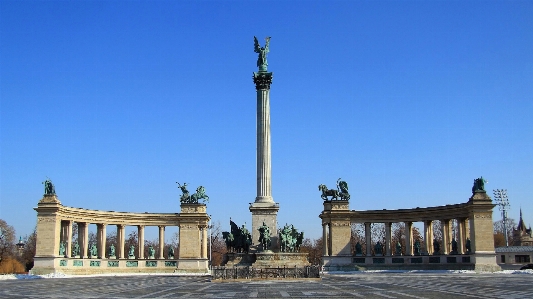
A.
pixel 514 254
pixel 522 236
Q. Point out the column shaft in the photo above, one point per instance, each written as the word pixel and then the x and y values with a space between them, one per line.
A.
pixel 368 238
pixel 409 238
pixel 460 235
pixel 102 236
pixel 69 238
pixel 324 239
pixel 445 226
pixel 264 169
pixel 388 249
pixel 204 242
pixel 140 234
pixel 161 241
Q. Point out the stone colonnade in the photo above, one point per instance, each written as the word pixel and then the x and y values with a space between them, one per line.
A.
pixel 476 213
pixel 54 240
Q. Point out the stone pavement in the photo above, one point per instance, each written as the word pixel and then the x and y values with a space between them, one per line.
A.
pixel 367 285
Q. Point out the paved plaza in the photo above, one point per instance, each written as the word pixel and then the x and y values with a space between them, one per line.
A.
pixel 364 285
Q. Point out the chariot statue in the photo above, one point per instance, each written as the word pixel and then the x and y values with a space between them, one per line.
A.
pixel 479 184
pixel 200 194
pixel 185 197
pixel 340 194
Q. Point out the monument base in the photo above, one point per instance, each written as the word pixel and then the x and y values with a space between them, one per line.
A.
pixel 266 259
pixel 192 266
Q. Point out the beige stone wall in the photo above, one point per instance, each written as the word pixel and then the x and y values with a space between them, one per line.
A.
pixel 340 237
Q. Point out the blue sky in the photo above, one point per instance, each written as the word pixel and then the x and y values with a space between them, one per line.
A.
pixel 407 101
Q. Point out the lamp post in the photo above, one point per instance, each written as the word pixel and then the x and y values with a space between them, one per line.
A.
pixel 500 196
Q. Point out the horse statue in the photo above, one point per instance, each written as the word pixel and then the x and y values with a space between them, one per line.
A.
pixel 479 184
pixel 228 238
pixel 49 188
pixel 328 192
pixel 200 194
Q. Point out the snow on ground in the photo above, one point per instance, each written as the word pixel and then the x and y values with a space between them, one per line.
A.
pixel 61 275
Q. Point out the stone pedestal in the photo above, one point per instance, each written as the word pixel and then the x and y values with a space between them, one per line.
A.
pixel 267 213
pixel 266 259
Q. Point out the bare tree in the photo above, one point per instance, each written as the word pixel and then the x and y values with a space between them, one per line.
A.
pixel 7 241
pixel 314 249
pixel 30 246
pixel 218 245
pixel 500 230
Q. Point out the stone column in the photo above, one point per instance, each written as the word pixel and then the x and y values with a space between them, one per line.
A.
pixel 69 238
pixel 445 226
pixel 161 241
pixel 140 245
pixel 121 230
pixel 427 235
pixel 460 235
pixel 388 227
pixel 368 238
pixel 264 209
pixel 101 237
pixel 408 238
pixel 83 238
pixel 325 239
pixel 330 239
pixel 204 242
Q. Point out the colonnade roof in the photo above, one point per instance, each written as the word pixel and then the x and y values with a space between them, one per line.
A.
pixel 128 218
pixel 453 211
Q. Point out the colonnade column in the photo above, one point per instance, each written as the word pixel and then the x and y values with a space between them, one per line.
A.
pixel 408 238
pixel 388 250
pixel 161 241
pixel 460 235
pixel 101 238
pixel 330 240
pixel 461 242
pixel 83 238
pixel 324 239
pixel 121 230
pixel 140 234
pixel 204 242
pixel 445 226
pixel 68 252
pixel 368 239
pixel 427 235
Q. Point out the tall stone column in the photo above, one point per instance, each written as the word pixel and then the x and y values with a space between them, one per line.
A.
pixel 408 238
pixel 264 209
pixel 83 238
pixel 427 235
pixel 161 241
pixel 69 238
pixel 388 239
pixel 204 242
pixel 368 238
pixel 140 234
pixel 121 230
pixel 101 237
pixel 325 239
pixel 445 226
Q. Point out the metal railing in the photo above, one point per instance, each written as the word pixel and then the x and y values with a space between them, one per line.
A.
pixel 265 273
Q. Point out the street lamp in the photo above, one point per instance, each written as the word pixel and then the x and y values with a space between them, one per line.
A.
pixel 500 196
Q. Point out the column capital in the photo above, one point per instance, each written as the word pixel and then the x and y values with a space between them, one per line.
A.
pixel 262 80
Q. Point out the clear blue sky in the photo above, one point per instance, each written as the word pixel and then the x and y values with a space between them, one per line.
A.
pixel 407 101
